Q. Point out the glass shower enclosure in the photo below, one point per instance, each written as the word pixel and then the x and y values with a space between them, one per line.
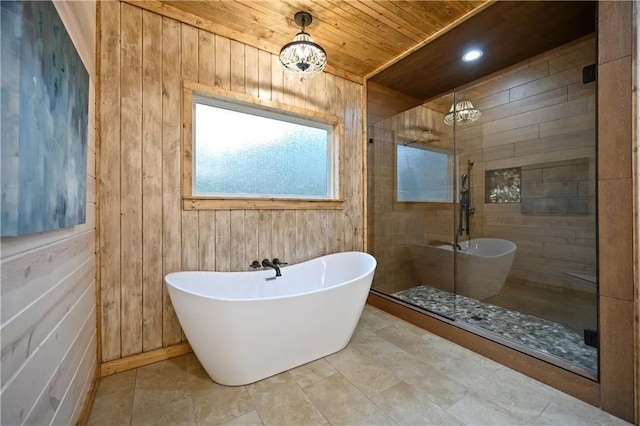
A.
pixel 482 207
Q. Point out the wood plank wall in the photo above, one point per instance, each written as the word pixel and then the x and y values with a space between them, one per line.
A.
pixel 48 303
pixel 617 206
pixel 144 233
pixel 536 112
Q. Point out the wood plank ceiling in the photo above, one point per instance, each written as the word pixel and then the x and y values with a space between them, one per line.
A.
pixel 358 36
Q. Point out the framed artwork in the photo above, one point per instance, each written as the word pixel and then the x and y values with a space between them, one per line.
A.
pixel 44 113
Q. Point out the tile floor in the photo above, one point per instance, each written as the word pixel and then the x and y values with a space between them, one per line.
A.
pixel 391 373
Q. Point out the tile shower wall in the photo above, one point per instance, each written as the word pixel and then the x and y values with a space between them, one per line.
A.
pixel 536 113
pixel 541 117
pixel 395 227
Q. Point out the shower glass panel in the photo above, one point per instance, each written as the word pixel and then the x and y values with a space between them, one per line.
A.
pixel 412 171
pixel 526 267
pixel 486 215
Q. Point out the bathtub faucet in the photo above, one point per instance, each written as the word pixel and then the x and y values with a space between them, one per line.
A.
pixel 269 264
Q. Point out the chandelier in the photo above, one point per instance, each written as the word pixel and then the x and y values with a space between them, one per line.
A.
pixel 302 55
pixel 463 113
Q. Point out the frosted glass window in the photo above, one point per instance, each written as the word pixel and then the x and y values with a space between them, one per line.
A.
pixel 422 175
pixel 248 152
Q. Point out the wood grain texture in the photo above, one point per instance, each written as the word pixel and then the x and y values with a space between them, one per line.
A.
pixel 615 249
pixel 615 30
pixel 171 177
pixel 110 232
pixel 616 355
pixel 228 239
pixel 615 122
pixel 558 23
pixel 190 71
pixel 131 179
pixel 345 29
pixel 135 361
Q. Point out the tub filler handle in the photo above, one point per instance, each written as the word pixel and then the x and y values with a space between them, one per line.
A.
pixel 269 264
pixel 255 264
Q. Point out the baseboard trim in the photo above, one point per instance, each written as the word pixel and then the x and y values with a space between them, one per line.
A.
pixel 559 378
pixel 83 419
pixel 145 358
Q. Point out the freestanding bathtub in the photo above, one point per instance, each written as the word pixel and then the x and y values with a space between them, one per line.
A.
pixel 243 327
pixel 481 266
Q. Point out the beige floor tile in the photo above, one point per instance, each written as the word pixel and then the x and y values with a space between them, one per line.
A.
pixel 165 375
pixel 162 407
pixel 373 319
pixel 280 401
pixel 442 390
pixel 473 410
pixel 218 404
pixel 312 372
pixel 568 411
pixel 250 419
pixel 342 403
pixel 369 376
pixel 407 405
pixel 114 400
pixel 515 392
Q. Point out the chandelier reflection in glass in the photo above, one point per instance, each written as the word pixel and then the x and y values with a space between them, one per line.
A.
pixel 303 55
pixel 463 113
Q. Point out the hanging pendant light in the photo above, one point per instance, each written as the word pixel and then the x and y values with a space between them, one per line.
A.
pixel 303 55
pixel 462 113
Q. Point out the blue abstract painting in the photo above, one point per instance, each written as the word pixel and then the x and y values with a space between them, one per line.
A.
pixel 44 116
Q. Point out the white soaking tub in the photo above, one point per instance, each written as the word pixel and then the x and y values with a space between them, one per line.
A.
pixel 244 328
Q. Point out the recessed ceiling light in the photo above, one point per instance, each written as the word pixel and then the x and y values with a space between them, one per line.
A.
pixel 472 55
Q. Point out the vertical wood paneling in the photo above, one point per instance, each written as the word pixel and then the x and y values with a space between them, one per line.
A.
pixel 277 80
pixel 250 71
pixel 131 179
pixel 222 62
pixel 190 71
pixel 211 240
pixel 237 66
pixel 288 222
pixel 171 177
pixel 264 74
pixel 207 241
pixel 152 278
pixel 110 179
pixel 239 259
pixel 264 234
pixel 223 238
pixel 277 235
pixel 339 99
pixel 251 249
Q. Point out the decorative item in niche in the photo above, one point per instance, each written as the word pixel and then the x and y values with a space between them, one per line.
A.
pixel 45 108
pixel 502 186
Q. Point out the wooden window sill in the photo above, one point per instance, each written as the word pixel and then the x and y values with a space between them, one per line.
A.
pixel 259 204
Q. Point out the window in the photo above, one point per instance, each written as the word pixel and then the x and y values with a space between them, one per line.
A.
pixel 242 152
pixel 422 175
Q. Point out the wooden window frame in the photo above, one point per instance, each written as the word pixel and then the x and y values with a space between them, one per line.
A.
pixel 202 202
